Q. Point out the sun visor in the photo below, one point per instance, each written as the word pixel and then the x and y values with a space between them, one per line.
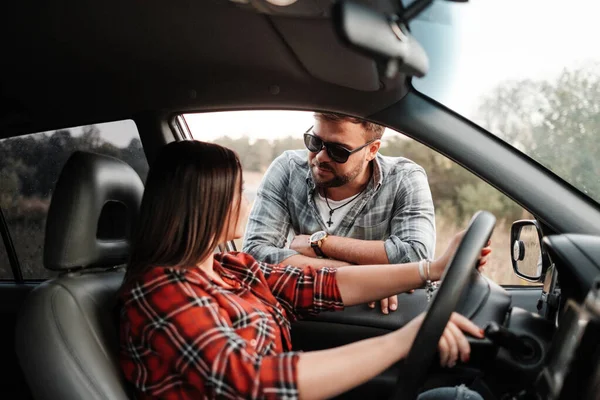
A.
pixel 306 8
pixel 321 52
pixel 307 28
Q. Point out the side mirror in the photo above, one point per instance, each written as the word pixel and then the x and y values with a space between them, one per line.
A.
pixel 527 253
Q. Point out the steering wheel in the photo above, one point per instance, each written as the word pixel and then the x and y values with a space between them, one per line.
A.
pixel 454 282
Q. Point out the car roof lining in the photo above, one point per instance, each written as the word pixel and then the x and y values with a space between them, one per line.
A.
pixel 81 62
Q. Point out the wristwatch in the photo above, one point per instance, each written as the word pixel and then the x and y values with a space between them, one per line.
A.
pixel 316 241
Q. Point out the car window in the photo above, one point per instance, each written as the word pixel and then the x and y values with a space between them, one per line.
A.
pixel 528 72
pixel 260 136
pixel 30 166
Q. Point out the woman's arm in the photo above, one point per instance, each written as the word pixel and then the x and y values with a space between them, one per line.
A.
pixel 303 291
pixel 362 284
pixel 327 373
pixel 309 291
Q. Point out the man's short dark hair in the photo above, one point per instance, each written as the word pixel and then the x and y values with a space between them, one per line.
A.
pixel 373 131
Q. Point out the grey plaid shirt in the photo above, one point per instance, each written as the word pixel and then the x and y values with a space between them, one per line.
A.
pixel 396 208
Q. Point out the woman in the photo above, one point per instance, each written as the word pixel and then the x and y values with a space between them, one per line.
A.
pixel 195 324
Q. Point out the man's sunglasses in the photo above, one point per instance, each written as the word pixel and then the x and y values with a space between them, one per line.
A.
pixel 336 152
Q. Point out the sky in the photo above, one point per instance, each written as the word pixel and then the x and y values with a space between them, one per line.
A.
pixel 119 133
pixel 472 48
pixel 491 41
pixel 265 124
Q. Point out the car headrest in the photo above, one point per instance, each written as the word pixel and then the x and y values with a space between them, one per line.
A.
pixel 93 209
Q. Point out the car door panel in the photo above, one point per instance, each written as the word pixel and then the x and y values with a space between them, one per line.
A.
pixel 409 306
pixel 12 381
pixel 320 335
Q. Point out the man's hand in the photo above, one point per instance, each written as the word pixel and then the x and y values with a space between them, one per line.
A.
pixel 301 244
pixel 391 303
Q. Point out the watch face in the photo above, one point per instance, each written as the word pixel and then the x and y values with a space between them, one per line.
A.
pixel 315 237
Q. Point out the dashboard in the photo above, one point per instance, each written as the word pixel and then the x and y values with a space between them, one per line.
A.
pixel 572 365
pixel 573 356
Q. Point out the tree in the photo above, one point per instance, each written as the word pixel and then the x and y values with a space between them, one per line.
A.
pixel 90 138
pixel 457 193
pixel 287 143
pixel 258 155
pixel 9 181
pixel 133 155
pixel 555 122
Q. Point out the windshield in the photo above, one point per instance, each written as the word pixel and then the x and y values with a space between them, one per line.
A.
pixel 528 71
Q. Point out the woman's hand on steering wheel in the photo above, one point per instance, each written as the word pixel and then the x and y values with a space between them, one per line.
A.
pixel 439 265
pixel 453 344
pixel 441 330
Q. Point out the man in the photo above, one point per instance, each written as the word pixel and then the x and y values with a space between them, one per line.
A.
pixel 343 202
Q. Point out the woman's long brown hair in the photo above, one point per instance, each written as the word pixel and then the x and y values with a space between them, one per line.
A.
pixel 187 206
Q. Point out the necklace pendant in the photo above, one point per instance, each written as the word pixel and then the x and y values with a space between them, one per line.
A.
pixel 329 223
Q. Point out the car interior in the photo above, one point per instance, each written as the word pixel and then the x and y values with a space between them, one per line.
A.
pixel 74 63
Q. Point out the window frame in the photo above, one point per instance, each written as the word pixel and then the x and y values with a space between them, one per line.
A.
pixel 181 128
pixel 11 252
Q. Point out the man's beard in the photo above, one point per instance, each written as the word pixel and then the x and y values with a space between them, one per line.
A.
pixel 337 180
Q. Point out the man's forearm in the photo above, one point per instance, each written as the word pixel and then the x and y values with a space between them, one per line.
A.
pixel 299 260
pixel 355 251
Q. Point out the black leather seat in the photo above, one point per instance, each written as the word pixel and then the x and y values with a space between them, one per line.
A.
pixel 67 339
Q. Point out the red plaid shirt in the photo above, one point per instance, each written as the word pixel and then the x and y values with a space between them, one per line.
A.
pixel 184 337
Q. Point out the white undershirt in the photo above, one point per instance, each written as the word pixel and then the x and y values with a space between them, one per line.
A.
pixel 338 215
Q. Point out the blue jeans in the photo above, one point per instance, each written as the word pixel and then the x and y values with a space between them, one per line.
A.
pixel 450 393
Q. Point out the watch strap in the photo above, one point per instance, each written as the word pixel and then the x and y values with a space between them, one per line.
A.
pixel 317 249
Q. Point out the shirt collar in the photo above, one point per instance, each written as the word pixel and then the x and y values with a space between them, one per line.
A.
pixel 377 172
